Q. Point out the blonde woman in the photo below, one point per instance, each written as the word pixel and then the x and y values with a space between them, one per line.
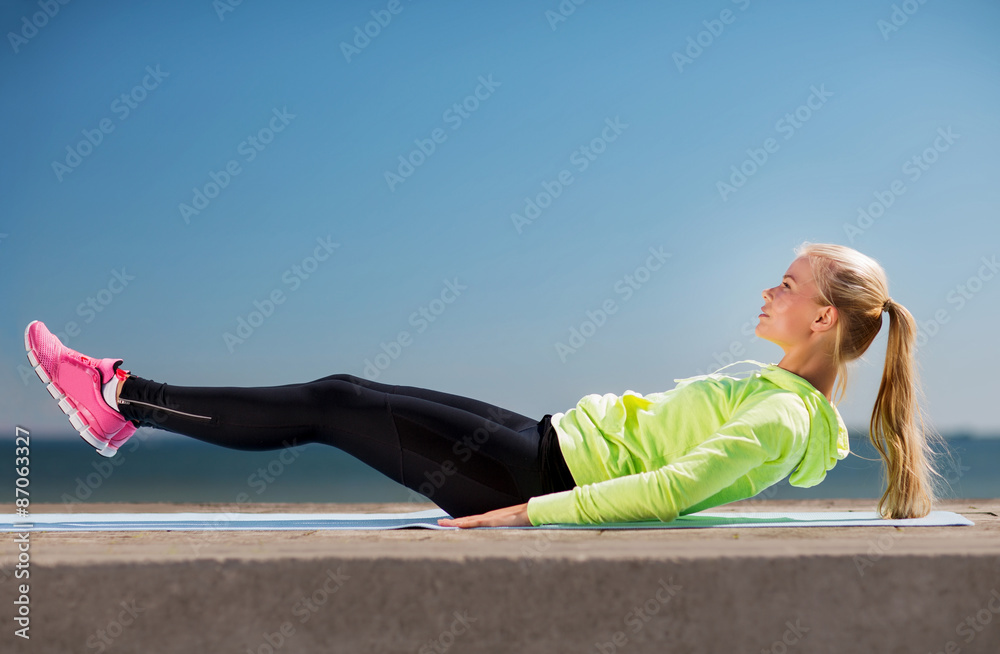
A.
pixel 710 440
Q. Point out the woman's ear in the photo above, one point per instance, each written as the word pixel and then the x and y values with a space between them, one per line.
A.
pixel 826 318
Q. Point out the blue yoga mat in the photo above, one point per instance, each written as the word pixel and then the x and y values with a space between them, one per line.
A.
pixel 428 520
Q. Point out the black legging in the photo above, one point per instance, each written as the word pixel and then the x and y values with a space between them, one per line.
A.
pixel 466 456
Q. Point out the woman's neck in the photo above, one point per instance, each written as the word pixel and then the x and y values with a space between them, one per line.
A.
pixel 821 374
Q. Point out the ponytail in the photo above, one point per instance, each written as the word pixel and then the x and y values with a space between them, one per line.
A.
pixel 897 428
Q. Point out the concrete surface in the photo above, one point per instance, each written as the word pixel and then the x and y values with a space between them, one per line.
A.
pixel 825 589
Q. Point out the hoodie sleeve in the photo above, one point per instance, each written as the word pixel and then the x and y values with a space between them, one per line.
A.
pixel 753 436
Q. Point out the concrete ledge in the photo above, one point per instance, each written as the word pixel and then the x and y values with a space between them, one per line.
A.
pixel 830 589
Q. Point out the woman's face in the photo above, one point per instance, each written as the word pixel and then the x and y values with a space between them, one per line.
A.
pixel 790 308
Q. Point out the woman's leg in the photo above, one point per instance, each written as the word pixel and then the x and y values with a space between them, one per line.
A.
pixel 465 455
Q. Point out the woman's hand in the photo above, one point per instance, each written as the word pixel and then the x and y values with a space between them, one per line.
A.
pixel 511 516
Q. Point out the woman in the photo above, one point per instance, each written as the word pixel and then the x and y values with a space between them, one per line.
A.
pixel 711 440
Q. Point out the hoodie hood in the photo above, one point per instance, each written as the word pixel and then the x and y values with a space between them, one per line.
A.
pixel 828 438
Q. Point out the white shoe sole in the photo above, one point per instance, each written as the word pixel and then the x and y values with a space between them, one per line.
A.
pixel 76 418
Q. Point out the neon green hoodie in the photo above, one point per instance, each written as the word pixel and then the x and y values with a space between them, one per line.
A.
pixel 711 440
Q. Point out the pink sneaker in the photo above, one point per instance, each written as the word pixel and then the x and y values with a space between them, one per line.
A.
pixel 75 381
pixel 119 439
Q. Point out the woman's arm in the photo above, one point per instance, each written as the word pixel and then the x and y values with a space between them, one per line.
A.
pixel 767 430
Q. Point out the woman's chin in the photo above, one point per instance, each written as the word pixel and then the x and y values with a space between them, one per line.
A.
pixel 759 332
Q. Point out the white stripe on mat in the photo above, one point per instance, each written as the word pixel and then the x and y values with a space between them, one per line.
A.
pixel 427 519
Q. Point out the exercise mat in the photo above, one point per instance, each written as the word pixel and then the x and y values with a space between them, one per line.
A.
pixel 427 519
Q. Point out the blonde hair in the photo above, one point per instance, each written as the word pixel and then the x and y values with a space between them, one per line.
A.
pixel 856 286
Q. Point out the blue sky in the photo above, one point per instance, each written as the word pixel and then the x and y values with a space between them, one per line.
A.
pixel 281 128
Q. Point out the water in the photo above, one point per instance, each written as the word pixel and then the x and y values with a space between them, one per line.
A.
pixel 174 469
